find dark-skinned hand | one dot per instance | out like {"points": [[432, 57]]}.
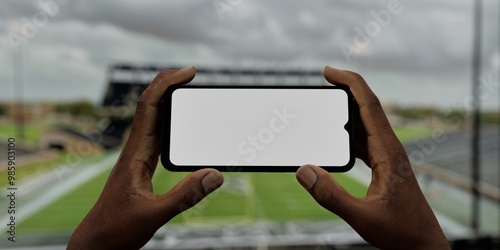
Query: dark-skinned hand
{"points": [[394, 214], [128, 213]]}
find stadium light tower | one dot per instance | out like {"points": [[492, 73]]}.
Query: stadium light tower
{"points": [[476, 71], [498, 55], [18, 91]]}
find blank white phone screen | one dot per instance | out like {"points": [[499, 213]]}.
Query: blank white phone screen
{"points": [[259, 127]]}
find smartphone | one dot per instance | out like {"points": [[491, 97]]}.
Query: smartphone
{"points": [[257, 128]]}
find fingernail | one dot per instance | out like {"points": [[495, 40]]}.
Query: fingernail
{"points": [[330, 68], [306, 176], [186, 68], [212, 181]]}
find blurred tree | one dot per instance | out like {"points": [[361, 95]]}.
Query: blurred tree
{"points": [[79, 108], [490, 117], [416, 113], [454, 116]]}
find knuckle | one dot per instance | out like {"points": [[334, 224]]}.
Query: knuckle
{"points": [[162, 74], [142, 98], [327, 198], [184, 198], [178, 200], [356, 76], [187, 194], [373, 101]]}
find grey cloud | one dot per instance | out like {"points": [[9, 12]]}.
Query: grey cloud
{"points": [[428, 37]]}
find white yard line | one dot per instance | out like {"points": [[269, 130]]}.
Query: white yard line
{"points": [[59, 189]]}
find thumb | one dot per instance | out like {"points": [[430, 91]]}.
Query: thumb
{"points": [[191, 190], [326, 190]]}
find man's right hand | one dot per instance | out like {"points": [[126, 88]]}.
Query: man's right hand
{"points": [[394, 214]]}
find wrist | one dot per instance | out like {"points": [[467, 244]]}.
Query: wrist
{"points": [[438, 242], [82, 238]]}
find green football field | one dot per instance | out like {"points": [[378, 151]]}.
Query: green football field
{"points": [[32, 131], [245, 197]]}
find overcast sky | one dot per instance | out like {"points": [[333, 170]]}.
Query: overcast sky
{"points": [[422, 55]]}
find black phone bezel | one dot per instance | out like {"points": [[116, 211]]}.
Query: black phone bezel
{"points": [[165, 129]]}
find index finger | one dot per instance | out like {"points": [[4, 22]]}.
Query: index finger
{"points": [[143, 144], [382, 145], [148, 105], [371, 112]]}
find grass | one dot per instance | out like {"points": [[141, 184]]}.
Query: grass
{"points": [[32, 131], [67, 212], [49, 165], [408, 134], [32, 169], [269, 196], [276, 197], [25, 171], [280, 197], [245, 197]]}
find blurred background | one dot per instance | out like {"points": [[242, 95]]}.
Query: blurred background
{"points": [[72, 71]]}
